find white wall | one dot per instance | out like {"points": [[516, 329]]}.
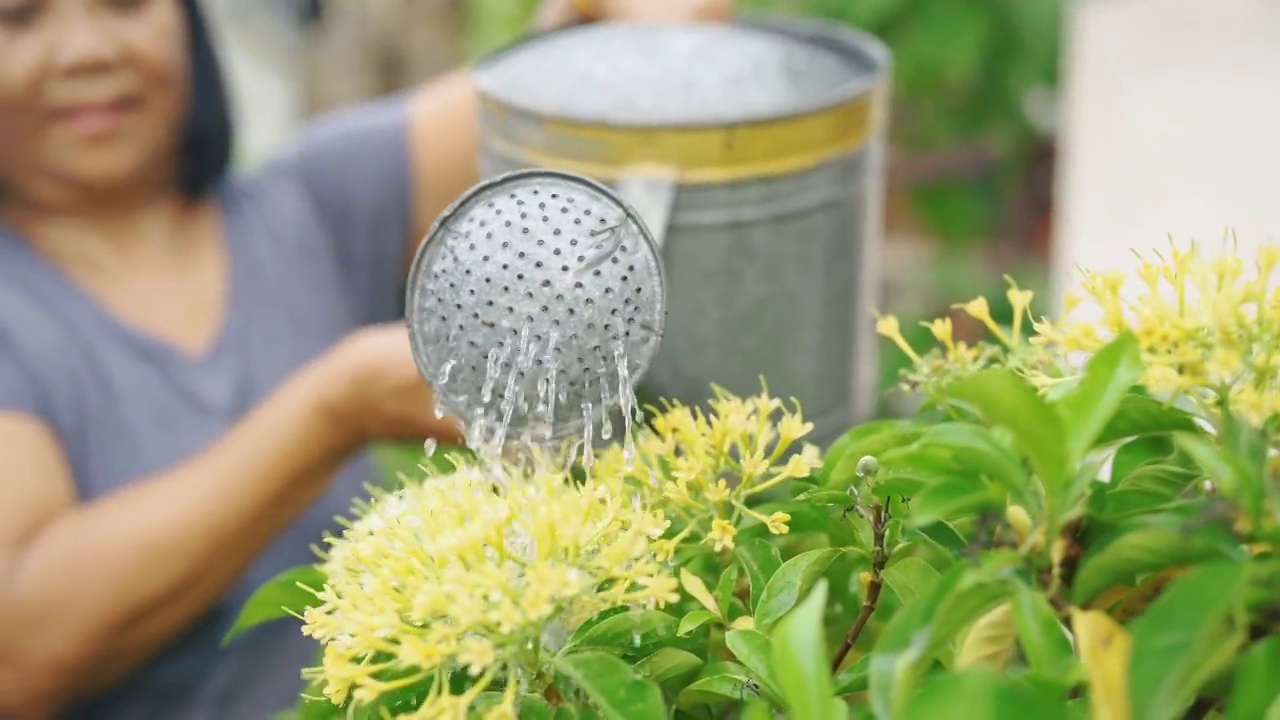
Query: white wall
{"points": [[1170, 126], [262, 57]]}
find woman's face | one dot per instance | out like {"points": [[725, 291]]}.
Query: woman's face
{"points": [[93, 93]]}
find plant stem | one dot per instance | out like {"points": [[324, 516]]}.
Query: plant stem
{"points": [[879, 558]]}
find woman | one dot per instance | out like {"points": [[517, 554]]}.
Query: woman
{"points": [[190, 363]]}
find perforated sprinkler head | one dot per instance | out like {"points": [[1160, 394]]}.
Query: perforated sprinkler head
{"points": [[534, 304]]}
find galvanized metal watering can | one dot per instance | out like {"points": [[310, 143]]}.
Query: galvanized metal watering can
{"points": [[754, 153]]}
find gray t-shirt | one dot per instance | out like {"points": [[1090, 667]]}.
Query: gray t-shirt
{"points": [[316, 242]]}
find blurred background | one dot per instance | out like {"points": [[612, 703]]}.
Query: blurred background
{"points": [[1028, 136]]}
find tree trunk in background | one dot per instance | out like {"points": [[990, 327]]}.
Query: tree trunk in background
{"points": [[361, 49]]}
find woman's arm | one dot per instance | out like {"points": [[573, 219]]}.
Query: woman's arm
{"points": [[90, 590]]}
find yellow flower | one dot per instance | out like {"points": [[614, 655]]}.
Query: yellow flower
{"points": [[777, 523], [1020, 300], [719, 492], [980, 310], [721, 535], [460, 574], [887, 325], [941, 328]]}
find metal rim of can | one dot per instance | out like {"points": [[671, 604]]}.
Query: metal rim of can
{"points": [[713, 151]]}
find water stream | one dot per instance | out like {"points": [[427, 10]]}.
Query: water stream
{"points": [[523, 384]]}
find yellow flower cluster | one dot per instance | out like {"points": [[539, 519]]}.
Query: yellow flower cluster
{"points": [[952, 359], [1208, 327], [460, 573], [701, 468]]}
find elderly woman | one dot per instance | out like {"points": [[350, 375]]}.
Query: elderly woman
{"points": [[190, 361]]}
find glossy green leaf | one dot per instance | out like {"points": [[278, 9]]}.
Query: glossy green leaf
{"points": [[716, 689], [1089, 407], [760, 559], [614, 689], [754, 650], [284, 595], [791, 582], [593, 621], [1009, 401], [694, 620], [982, 693], [1186, 636], [1256, 687], [1144, 545], [1044, 640], [667, 664], [634, 632], [800, 658]]}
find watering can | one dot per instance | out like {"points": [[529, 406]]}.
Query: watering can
{"points": [[754, 153]]}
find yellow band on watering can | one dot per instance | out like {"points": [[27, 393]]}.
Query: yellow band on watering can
{"points": [[710, 154]]}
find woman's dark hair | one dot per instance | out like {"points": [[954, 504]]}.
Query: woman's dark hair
{"points": [[207, 135]]}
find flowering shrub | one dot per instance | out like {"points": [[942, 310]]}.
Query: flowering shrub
{"points": [[1080, 521]]}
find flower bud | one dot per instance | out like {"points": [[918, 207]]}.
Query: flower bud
{"points": [[1019, 521], [867, 467]]}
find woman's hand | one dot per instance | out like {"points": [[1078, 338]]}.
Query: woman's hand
{"points": [[376, 393], [559, 13]]}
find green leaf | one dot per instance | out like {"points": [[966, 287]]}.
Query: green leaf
{"points": [[915, 634], [631, 631], [288, 593], [800, 658], [977, 452], [593, 621], [853, 678], [1186, 636], [697, 590], [825, 498], [911, 579], [753, 650], [790, 583], [872, 438], [982, 694], [1255, 688], [726, 588], [612, 686], [761, 560], [1009, 401], [693, 621], [715, 689], [1140, 416], [1044, 640], [954, 498], [667, 664], [1144, 545], [1088, 408], [1228, 471]]}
